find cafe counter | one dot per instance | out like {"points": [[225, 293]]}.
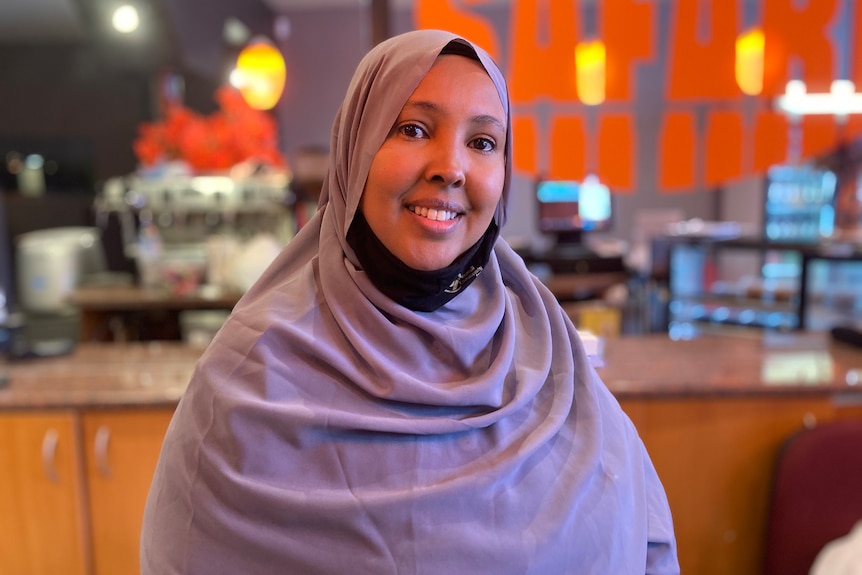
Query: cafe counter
{"points": [[713, 413], [652, 368], [141, 374]]}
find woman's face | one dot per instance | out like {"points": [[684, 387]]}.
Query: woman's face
{"points": [[435, 183]]}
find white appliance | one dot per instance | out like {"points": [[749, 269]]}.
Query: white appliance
{"points": [[50, 264]]}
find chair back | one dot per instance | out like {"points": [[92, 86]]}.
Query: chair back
{"points": [[816, 495]]}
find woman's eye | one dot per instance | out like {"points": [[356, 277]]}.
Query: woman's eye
{"points": [[412, 131], [484, 144]]}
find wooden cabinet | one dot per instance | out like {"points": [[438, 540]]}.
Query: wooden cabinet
{"points": [[43, 520], [715, 457], [73, 488], [122, 449]]}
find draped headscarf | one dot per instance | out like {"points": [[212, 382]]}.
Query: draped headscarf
{"points": [[328, 429]]}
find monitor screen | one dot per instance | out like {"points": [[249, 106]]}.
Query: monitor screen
{"points": [[570, 207]]}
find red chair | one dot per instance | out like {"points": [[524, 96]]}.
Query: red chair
{"points": [[816, 497]]}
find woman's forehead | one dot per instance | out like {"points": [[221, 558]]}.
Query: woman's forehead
{"points": [[456, 83]]}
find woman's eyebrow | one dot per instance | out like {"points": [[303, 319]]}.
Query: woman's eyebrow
{"points": [[426, 106], [489, 120], [421, 105]]}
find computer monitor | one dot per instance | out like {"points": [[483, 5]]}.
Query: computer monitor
{"points": [[567, 208]]}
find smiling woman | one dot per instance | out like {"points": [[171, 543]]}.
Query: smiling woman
{"points": [[397, 388]]}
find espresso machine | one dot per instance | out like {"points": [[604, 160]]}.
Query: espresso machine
{"points": [[187, 222]]}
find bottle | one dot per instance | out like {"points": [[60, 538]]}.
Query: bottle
{"points": [[149, 255], [5, 340]]}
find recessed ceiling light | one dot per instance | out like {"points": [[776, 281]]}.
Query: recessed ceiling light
{"points": [[126, 19]]}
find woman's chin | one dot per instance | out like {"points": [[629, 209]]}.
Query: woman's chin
{"points": [[427, 262]]}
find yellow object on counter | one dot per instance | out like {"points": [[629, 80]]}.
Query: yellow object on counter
{"points": [[601, 319]]}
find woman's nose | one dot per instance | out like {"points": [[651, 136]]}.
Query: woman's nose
{"points": [[446, 165]]}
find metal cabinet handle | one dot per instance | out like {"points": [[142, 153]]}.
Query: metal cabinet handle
{"points": [[49, 452], [100, 449]]}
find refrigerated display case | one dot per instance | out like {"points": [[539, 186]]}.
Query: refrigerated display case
{"points": [[719, 285], [799, 207], [831, 293], [799, 204]]}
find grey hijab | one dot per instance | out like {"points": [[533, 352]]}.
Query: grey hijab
{"points": [[328, 429], [383, 82]]}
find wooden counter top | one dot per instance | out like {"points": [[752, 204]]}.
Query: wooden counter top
{"points": [[566, 287], [653, 366], [125, 298], [115, 298], [131, 313]]}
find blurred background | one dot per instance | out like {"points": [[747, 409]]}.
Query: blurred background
{"points": [[125, 117]]}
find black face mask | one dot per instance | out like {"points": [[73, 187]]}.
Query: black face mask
{"points": [[418, 290]]}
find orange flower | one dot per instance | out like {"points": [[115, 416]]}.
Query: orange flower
{"points": [[234, 134], [149, 147]]}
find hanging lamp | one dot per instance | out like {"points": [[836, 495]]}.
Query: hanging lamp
{"points": [[260, 74], [590, 71], [749, 61]]}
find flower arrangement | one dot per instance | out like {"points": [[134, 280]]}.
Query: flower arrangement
{"points": [[234, 134]]}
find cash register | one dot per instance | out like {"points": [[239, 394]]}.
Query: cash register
{"points": [[567, 211]]}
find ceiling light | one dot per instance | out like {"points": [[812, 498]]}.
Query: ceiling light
{"points": [[125, 19], [235, 33], [841, 100]]}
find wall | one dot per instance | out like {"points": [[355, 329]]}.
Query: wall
{"points": [[68, 103], [338, 38], [321, 52], [83, 101]]}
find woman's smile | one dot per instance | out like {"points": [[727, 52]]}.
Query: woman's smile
{"points": [[438, 215]]}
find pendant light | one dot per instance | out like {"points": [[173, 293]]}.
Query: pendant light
{"points": [[260, 74], [590, 71], [749, 61]]}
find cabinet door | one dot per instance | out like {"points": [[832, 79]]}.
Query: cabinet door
{"points": [[42, 513], [122, 449], [715, 457]]}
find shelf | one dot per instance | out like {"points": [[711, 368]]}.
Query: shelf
{"points": [[768, 318], [691, 329], [732, 300], [814, 298], [128, 313]]}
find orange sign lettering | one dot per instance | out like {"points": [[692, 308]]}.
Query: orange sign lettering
{"points": [[550, 125]]}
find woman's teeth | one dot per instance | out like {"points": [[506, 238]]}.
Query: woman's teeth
{"points": [[432, 214]]}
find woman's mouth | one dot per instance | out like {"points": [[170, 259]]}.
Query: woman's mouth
{"points": [[434, 214]]}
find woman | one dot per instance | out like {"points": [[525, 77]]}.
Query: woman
{"points": [[397, 393]]}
